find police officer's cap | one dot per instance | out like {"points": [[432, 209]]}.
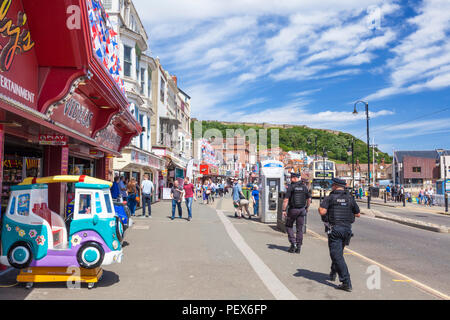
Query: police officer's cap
{"points": [[295, 175], [339, 182]]}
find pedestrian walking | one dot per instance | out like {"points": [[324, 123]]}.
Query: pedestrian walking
{"points": [[255, 199], [298, 198], [115, 189], [123, 189], [338, 212], [132, 194], [421, 196], [394, 193], [147, 190], [176, 194], [213, 187], [430, 197], [237, 196], [189, 195], [388, 192], [220, 187], [206, 192]]}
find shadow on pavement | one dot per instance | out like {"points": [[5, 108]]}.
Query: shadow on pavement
{"points": [[277, 247], [275, 228], [125, 244], [315, 276]]}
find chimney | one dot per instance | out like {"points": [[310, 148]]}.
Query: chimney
{"points": [[175, 80]]}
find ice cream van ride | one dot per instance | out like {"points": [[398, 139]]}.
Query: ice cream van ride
{"points": [[34, 236]]}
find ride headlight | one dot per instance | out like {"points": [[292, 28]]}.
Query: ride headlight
{"points": [[115, 244]]}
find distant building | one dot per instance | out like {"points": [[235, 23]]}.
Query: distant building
{"points": [[381, 171], [417, 168]]}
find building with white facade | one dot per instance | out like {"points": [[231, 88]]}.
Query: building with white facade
{"points": [[138, 68], [170, 124]]}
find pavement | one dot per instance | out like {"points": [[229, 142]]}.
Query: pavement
{"points": [[216, 256], [408, 206], [416, 253], [413, 215]]}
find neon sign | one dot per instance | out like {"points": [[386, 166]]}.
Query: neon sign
{"points": [[19, 38]]}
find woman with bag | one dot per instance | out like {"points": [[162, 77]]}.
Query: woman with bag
{"points": [[132, 194]]}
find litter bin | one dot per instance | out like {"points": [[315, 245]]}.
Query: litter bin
{"points": [[246, 191], [281, 221]]}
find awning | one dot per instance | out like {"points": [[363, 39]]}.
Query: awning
{"points": [[57, 79]]}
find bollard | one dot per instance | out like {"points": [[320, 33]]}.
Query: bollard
{"points": [[385, 196], [446, 202], [404, 200]]}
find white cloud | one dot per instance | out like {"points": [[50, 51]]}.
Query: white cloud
{"points": [[422, 59], [295, 112]]}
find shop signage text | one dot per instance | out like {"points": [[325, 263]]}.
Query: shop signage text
{"points": [[16, 89], [53, 139], [75, 111], [19, 37], [78, 113], [144, 159], [109, 138]]}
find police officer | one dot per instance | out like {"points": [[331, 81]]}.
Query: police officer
{"points": [[299, 199], [338, 212]]}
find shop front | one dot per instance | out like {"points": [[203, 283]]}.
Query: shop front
{"points": [[136, 163], [62, 110], [208, 171]]}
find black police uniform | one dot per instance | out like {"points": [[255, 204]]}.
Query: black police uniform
{"points": [[341, 209], [298, 195]]}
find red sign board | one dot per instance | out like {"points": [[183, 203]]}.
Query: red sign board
{"points": [[53, 139], [109, 138], [18, 63], [78, 113], [204, 169]]}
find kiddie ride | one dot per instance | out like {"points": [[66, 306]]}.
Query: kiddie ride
{"points": [[48, 248]]}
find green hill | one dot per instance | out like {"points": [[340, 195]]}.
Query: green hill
{"points": [[296, 138]]}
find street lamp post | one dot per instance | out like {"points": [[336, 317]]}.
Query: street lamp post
{"points": [[352, 150], [368, 146], [324, 174], [441, 153]]}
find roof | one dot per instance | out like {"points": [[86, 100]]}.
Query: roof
{"points": [[399, 155], [65, 179], [81, 185]]}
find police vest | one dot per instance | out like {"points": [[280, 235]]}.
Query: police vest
{"points": [[340, 210], [298, 196]]}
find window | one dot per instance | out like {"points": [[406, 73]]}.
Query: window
{"points": [[148, 133], [84, 204], [13, 206], [417, 169], [23, 205], [142, 80], [107, 4], [108, 202], [127, 61], [162, 90], [149, 82], [136, 112], [141, 137], [137, 68]]}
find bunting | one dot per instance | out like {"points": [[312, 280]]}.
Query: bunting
{"points": [[105, 42]]}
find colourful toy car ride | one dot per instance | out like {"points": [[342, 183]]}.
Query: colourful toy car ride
{"points": [[35, 236]]}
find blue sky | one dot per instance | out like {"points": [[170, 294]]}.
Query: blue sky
{"points": [[306, 62]]}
